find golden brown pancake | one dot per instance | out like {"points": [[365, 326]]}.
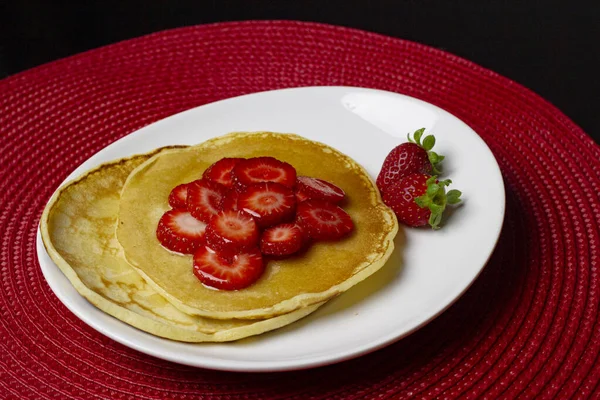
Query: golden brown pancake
{"points": [[324, 271], [78, 230]]}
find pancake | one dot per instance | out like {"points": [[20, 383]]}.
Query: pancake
{"points": [[78, 231], [324, 271]]}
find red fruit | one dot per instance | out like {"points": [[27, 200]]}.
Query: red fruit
{"points": [[179, 231], [228, 273], [403, 160], [282, 240], [306, 240], [204, 199], [263, 169], [419, 199], [409, 158], [220, 172], [178, 196], [300, 196], [269, 203], [230, 200], [323, 221], [232, 231], [318, 189]]}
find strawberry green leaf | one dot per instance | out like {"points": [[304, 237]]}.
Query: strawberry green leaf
{"points": [[453, 196], [436, 199], [417, 135], [434, 220], [423, 201], [432, 190], [445, 182], [428, 142], [437, 208]]}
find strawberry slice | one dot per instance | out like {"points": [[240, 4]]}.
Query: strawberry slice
{"points": [[268, 202], [220, 172], [204, 199], [178, 196], [300, 196], [230, 200], [263, 169], [228, 273], [318, 189], [322, 220], [232, 231], [282, 240], [306, 240], [179, 231]]}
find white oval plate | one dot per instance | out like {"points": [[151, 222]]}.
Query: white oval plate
{"points": [[415, 286]]}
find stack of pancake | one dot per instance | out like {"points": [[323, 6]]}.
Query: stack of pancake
{"points": [[100, 230]]}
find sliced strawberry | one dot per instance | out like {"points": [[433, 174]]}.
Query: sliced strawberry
{"points": [[268, 202], [318, 189], [179, 231], [282, 240], [300, 196], [232, 231], [306, 240], [230, 200], [178, 196], [263, 169], [204, 199], [220, 172], [228, 273], [323, 221]]}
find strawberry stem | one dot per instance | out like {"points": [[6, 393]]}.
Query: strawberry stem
{"points": [[427, 145], [436, 199]]}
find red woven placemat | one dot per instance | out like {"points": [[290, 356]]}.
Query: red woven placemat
{"points": [[528, 326]]}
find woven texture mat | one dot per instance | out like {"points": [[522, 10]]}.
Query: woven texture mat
{"points": [[528, 326]]}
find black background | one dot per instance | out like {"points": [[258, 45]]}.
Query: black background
{"points": [[552, 47]]}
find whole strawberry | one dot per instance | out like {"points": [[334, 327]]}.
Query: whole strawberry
{"points": [[409, 158], [420, 199]]}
